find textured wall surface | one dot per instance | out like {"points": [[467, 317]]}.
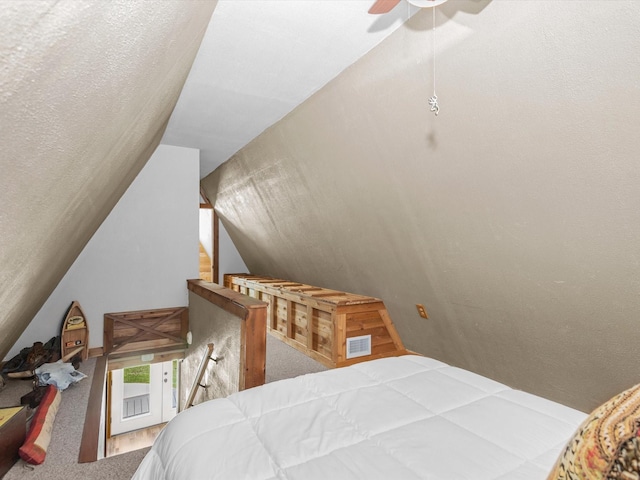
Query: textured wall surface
{"points": [[211, 324], [514, 216], [139, 257], [86, 90]]}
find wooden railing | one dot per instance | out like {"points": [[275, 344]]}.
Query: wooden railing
{"points": [[252, 315], [333, 327], [91, 432], [163, 329]]}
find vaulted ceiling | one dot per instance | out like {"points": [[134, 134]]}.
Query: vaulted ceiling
{"points": [[261, 58], [86, 91], [513, 216]]}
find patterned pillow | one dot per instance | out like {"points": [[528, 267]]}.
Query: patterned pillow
{"points": [[606, 445]]}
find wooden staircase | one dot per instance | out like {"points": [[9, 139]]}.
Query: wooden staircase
{"points": [[205, 265]]}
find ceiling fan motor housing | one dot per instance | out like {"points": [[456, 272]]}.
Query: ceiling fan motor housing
{"points": [[426, 3]]}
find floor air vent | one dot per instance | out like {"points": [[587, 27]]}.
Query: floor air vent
{"points": [[358, 346]]}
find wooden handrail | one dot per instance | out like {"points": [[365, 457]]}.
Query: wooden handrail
{"points": [[253, 314], [91, 432], [198, 378]]}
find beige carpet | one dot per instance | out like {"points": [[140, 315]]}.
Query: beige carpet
{"points": [[62, 455], [283, 361]]}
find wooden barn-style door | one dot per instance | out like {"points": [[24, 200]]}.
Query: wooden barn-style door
{"points": [[127, 333]]}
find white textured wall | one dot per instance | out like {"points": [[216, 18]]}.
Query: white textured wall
{"points": [[86, 91], [514, 216], [209, 323], [206, 237], [140, 257], [230, 259]]}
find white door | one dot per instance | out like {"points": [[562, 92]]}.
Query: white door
{"points": [[169, 390], [143, 396]]}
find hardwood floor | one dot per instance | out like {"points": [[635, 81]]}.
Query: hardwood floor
{"points": [[130, 441]]}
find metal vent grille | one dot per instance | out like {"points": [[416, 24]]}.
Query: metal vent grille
{"points": [[358, 346]]}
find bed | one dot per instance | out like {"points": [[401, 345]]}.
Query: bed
{"points": [[407, 417]]}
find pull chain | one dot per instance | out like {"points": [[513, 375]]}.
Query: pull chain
{"points": [[433, 101]]}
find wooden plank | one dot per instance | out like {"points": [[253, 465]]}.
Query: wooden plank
{"points": [[352, 361], [148, 346], [327, 294], [132, 361], [364, 325], [124, 332], [392, 329], [215, 267], [363, 315], [309, 327], [13, 432], [184, 323], [144, 329], [71, 353], [152, 313], [360, 307], [107, 339], [91, 431], [317, 320], [155, 351], [290, 331], [96, 352], [255, 351], [229, 300], [339, 338], [374, 332], [278, 286], [273, 317]]}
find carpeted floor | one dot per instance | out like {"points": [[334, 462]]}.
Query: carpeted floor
{"points": [[283, 361], [62, 455]]}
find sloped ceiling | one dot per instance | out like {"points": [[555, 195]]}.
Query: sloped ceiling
{"points": [[86, 91], [260, 59], [87, 88], [513, 216]]}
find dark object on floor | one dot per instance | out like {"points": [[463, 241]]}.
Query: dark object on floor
{"points": [[37, 355], [16, 363], [34, 397], [76, 360], [12, 434], [32, 357]]}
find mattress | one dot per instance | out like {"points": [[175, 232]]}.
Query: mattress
{"points": [[407, 417]]}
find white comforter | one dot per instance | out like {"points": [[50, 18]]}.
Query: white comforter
{"points": [[409, 417]]}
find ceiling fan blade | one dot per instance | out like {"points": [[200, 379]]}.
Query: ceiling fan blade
{"points": [[383, 6]]}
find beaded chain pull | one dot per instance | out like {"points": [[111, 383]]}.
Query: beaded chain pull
{"points": [[433, 101]]}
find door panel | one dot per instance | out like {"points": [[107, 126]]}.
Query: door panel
{"points": [[169, 390], [136, 398]]}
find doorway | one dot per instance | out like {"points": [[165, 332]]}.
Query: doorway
{"points": [[209, 240], [142, 396]]}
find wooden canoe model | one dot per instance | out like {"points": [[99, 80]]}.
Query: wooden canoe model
{"points": [[75, 332]]}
